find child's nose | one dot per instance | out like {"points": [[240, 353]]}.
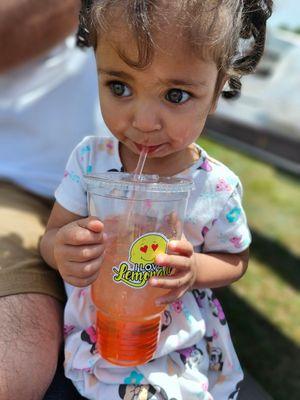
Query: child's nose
{"points": [[146, 118]]}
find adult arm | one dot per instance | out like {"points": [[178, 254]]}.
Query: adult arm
{"points": [[30, 27]]}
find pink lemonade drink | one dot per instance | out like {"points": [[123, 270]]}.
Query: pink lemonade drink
{"points": [[139, 219]]}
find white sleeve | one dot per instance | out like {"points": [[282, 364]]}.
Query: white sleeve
{"points": [[71, 193], [229, 231]]}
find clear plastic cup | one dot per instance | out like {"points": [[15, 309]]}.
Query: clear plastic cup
{"points": [[139, 217]]}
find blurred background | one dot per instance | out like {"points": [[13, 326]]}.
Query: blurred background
{"points": [[258, 136]]}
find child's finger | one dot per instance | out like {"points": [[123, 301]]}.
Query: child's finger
{"points": [[95, 224], [77, 235], [179, 262], [182, 247], [91, 223], [171, 282], [83, 253], [83, 270], [81, 282]]}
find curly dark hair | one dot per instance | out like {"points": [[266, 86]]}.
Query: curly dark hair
{"points": [[230, 32]]}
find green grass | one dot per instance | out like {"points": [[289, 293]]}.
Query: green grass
{"points": [[263, 308], [271, 199]]}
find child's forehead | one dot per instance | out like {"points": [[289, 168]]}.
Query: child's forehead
{"points": [[166, 33], [172, 44], [123, 41], [174, 68], [168, 53]]}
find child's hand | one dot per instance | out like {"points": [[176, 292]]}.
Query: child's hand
{"points": [[181, 258], [78, 251]]}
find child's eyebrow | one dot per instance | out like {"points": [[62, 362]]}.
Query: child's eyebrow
{"points": [[183, 82], [167, 82], [119, 74]]}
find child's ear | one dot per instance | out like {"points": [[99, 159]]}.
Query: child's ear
{"points": [[221, 80]]}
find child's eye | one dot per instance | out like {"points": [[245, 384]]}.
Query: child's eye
{"points": [[119, 89], [177, 96]]}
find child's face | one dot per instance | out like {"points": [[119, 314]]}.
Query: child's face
{"points": [[163, 106]]}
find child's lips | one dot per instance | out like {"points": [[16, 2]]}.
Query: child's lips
{"points": [[150, 149]]}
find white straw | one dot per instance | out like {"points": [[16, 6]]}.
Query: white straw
{"points": [[140, 165]]}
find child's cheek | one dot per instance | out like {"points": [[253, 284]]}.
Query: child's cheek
{"points": [[115, 125]]}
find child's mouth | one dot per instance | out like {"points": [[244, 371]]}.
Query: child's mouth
{"points": [[150, 149]]}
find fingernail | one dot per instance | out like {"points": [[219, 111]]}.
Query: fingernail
{"points": [[154, 281], [159, 258]]}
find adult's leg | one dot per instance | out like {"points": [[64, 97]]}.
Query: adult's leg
{"points": [[30, 337], [30, 310]]}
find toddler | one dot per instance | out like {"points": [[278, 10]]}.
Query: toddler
{"points": [[162, 66]]}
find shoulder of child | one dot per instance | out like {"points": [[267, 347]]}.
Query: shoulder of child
{"points": [[103, 144], [213, 177], [90, 146], [93, 154]]}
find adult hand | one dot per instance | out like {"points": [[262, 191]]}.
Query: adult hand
{"points": [[29, 28]]}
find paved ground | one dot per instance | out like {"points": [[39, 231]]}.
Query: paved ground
{"points": [[272, 146]]}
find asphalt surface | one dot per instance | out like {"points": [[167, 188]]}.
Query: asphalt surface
{"points": [[269, 145]]}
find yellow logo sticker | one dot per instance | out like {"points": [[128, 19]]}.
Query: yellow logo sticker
{"points": [[141, 266]]}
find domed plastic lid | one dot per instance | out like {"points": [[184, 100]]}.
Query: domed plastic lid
{"points": [[145, 183]]}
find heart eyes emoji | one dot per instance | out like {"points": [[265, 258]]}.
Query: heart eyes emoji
{"points": [[144, 248]]}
